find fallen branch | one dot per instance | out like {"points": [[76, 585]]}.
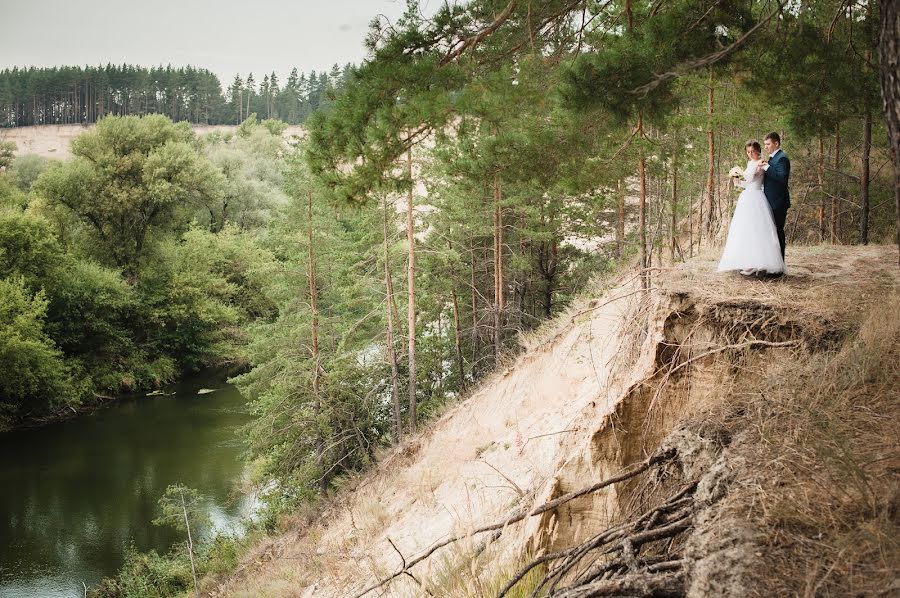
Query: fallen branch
{"points": [[674, 525], [630, 472], [642, 584], [403, 561], [575, 554]]}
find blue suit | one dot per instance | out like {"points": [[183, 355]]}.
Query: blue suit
{"points": [[775, 186]]}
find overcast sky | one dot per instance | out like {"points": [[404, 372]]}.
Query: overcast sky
{"points": [[224, 36]]}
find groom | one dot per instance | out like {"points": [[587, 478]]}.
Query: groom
{"points": [[775, 183]]}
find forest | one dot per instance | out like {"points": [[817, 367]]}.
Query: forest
{"points": [[465, 183], [83, 95]]}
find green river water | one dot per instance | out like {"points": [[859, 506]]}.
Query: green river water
{"points": [[75, 494]]}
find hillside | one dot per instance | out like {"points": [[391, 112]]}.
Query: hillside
{"points": [[756, 422], [52, 141]]}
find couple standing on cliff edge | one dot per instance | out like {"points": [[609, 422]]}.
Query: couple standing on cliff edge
{"points": [[755, 243]]}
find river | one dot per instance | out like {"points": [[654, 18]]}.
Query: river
{"points": [[75, 494]]}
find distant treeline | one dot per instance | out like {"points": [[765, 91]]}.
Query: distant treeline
{"points": [[73, 95]]}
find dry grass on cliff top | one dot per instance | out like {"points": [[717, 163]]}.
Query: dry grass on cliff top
{"points": [[824, 448]]}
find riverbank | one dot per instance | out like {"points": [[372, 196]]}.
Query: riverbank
{"points": [[105, 401], [78, 494]]}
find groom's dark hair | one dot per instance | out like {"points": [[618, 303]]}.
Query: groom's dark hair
{"points": [[774, 137]]}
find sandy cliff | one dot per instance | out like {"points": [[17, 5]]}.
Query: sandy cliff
{"points": [[52, 141], [673, 375]]}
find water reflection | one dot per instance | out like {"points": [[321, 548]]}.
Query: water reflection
{"points": [[74, 495]]}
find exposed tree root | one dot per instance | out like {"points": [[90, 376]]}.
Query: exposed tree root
{"points": [[662, 585], [611, 561], [658, 458]]}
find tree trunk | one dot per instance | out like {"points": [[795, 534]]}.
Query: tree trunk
{"points": [[411, 306], [821, 178], [889, 59], [392, 354], [710, 174], [834, 204], [498, 270], [864, 176], [475, 346], [674, 208], [548, 260], [642, 176], [551, 280], [642, 194], [314, 310], [187, 526], [457, 339], [620, 227], [690, 226]]}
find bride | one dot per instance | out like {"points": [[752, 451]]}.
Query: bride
{"points": [[752, 245]]}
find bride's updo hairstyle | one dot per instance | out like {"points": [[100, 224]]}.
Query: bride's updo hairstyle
{"points": [[755, 145]]}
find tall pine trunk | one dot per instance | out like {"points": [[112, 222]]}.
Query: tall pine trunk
{"points": [[498, 270], [392, 353], [620, 224], [864, 176], [317, 365], [834, 204], [411, 284], [867, 140], [472, 283], [674, 224], [457, 331], [889, 59], [821, 179], [711, 174], [642, 195]]}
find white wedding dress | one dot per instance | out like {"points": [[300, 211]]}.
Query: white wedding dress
{"points": [[752, 242]]}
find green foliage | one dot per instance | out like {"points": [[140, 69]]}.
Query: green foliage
{"points": [[836, 85], [148, 575], [251, 163], [654, 42], [199, 292], [179, 502], [130, 293], [27, 169], [37, 379], [383, 101], [28, 248], [92, 316], [11, 197], [185, 309], [153, 575], [7, 154], [131, 180]]}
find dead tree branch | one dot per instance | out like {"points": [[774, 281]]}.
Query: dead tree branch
{"points": [[709, 59], [630, 472]]}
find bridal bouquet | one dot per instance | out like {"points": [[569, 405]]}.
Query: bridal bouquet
{"points": [[736, 172]]}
